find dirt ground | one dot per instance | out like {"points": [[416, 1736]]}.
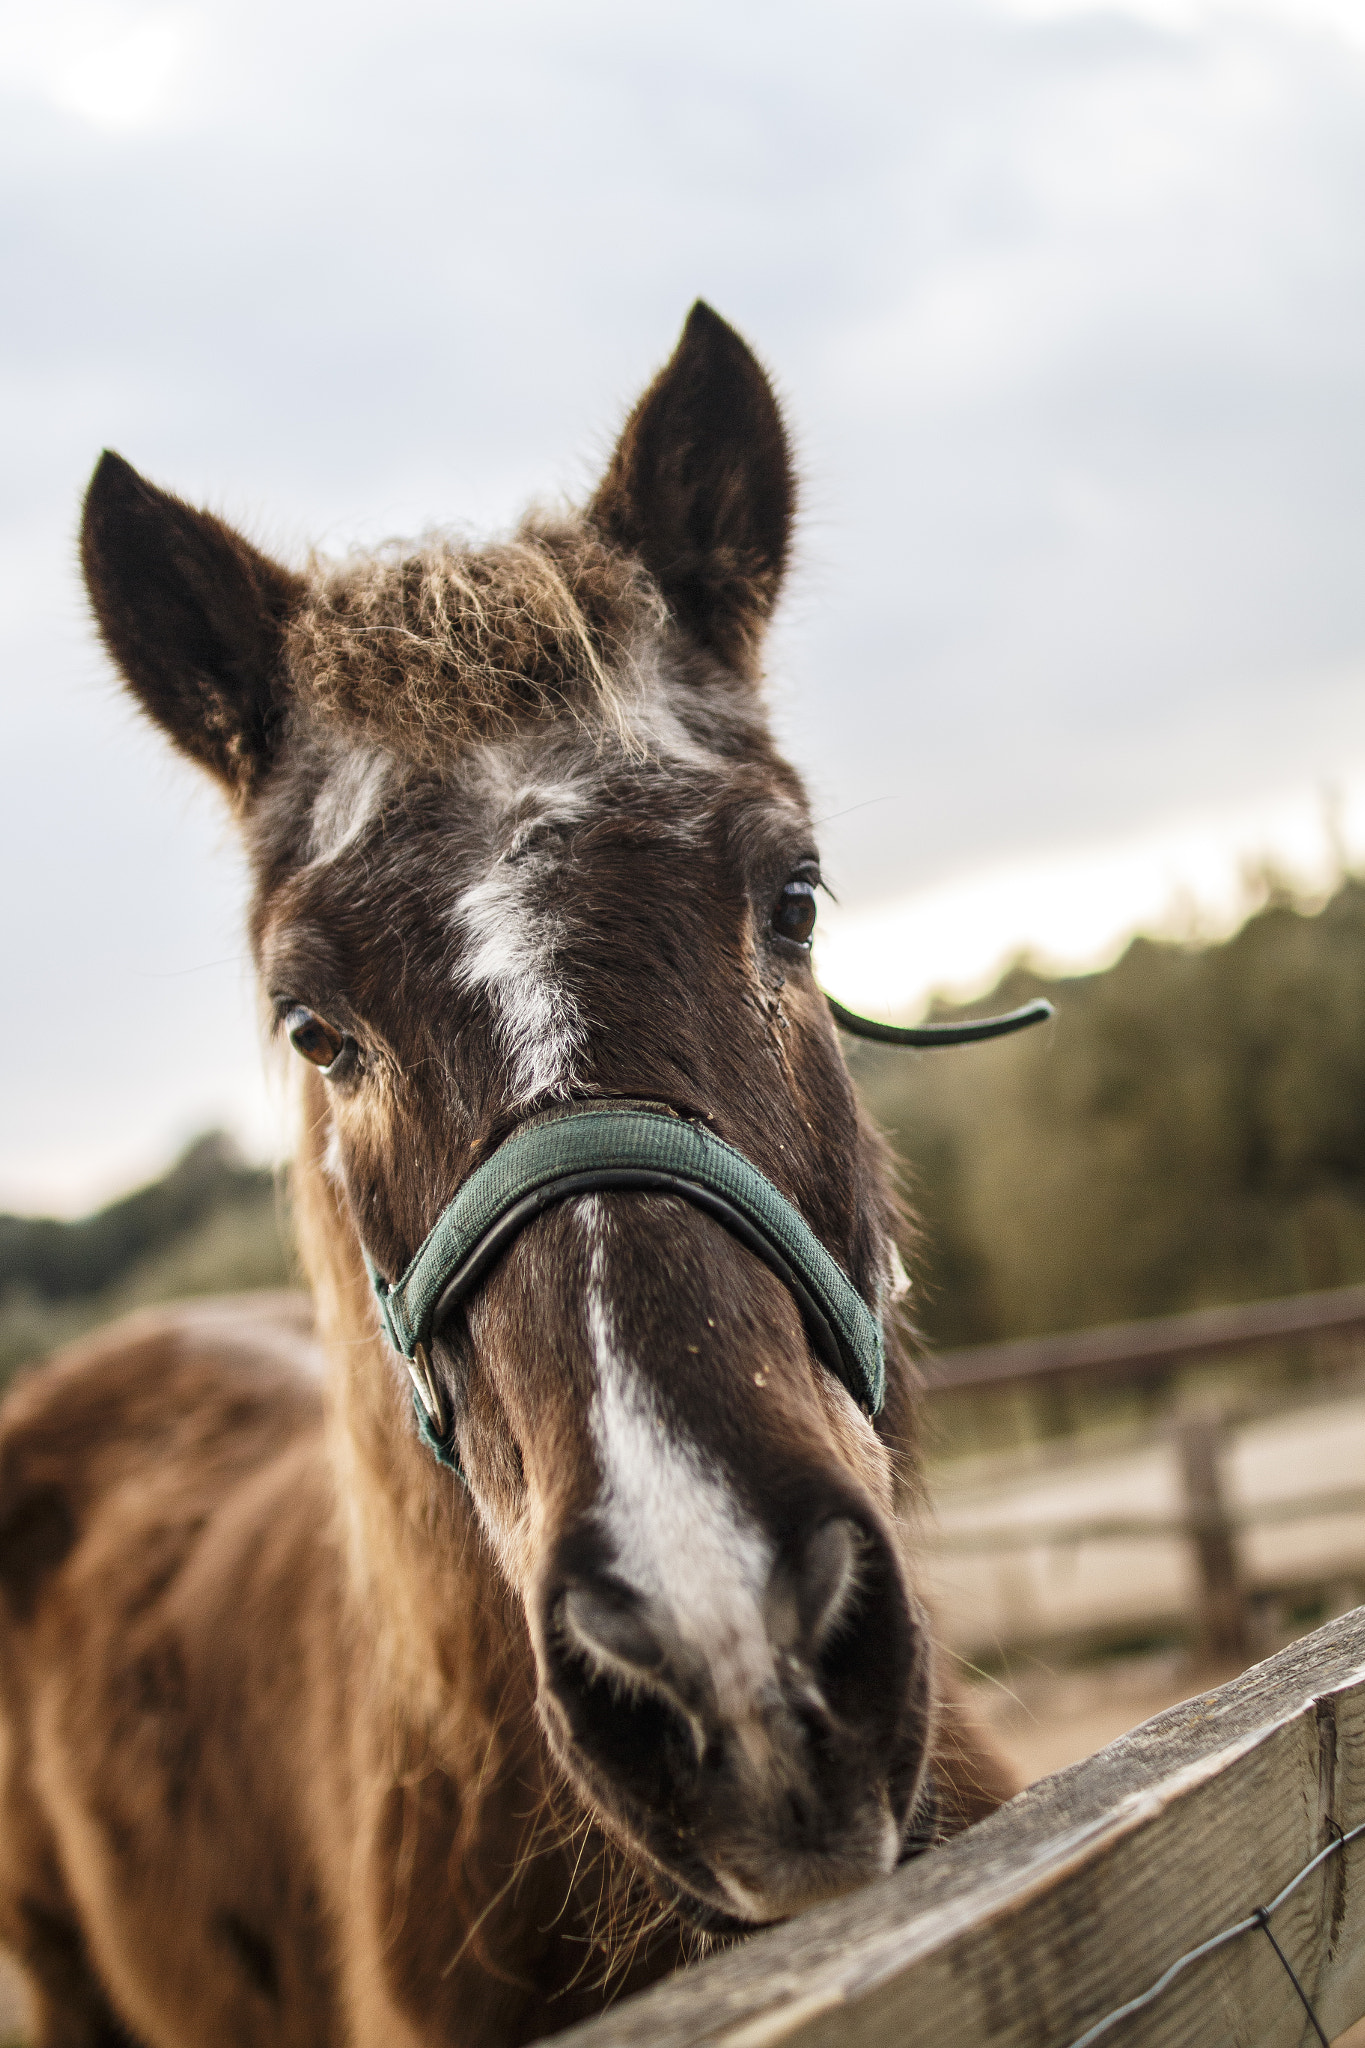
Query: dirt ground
{"points": [[1044, 1718]]}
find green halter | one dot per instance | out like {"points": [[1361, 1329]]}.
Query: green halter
{"points": [[591, 1147], [616, 1145]]}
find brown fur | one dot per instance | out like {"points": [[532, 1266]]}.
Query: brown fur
{"points": [[301, 1740], [429, 651]]}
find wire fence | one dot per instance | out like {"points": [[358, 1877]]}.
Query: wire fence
{"points": [[1259, 1917]]}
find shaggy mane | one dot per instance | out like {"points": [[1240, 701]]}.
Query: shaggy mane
{"points": [[430, 647]]}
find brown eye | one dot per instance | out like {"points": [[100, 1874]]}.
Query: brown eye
{"points": [[793, 915], [321, 1043]]}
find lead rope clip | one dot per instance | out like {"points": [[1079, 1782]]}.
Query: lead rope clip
{"points": [[425, 1388]]}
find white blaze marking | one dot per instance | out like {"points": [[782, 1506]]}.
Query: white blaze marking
{"points": [[511, 946], [511, 953], [679, 1537]]}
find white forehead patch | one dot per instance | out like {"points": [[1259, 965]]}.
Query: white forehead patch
{"points": [[348, 800], [510, 948], [678, 1536]]}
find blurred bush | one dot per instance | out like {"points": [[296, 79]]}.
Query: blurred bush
{"points": [[211, 1225], [1189, 1130]]}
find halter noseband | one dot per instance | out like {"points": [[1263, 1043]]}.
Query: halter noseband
{"points": [[591, 1147]]}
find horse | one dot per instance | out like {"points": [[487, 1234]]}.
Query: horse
{"points": [[358, 1689]]}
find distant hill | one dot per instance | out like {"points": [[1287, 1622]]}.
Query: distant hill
{"points": [[1189, 1130], [211, 1225]]}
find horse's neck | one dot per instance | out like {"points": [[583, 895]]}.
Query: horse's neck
{"points": [[427, 1594]]}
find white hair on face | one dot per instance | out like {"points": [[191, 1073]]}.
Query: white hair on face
{"points": [[511, 954], [679, 1537], [898, 1282], [657, 731], [331, 1157], [510, 948], [348, 800]]}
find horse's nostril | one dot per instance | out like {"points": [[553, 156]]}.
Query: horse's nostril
{"points": [[807, 1602], [610, 1684], [846, 1641], [606, 1624], [829, 1579]]}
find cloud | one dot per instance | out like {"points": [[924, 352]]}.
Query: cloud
{"points": [[1074, 907], [1337, 18], [1067, 303], [116, 67]]}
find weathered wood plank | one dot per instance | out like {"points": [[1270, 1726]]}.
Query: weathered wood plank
{"points": [[1079, 1893]]}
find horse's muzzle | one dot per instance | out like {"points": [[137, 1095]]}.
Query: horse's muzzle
{"points": [[758, 1776]]}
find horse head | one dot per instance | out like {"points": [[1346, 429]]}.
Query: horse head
{"points": [[520, 838]]}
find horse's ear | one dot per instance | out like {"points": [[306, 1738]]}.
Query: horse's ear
{"points": [[193, 616], [701, 488]]}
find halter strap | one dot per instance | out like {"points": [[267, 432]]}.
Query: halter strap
{"points": [[617, 1145]]}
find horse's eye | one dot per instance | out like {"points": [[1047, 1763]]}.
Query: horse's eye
{"points": [[321, 1043], [793, 915]]}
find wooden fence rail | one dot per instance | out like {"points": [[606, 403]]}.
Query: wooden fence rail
{"points": [[1152, 1349], [1077, 1896], [1129, 1350], [1127, 1528]]}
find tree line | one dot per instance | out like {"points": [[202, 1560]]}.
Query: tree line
{"points": [[1190, 1129]]}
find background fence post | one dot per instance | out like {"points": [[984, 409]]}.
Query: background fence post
{"points": [[1224, 1631]]}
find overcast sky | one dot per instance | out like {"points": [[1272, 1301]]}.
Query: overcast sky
{"points": [[1066, 303]]}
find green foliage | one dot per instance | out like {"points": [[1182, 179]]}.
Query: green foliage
{"points": [[64, 1261], [1190, 1130], [211, 1225]]}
